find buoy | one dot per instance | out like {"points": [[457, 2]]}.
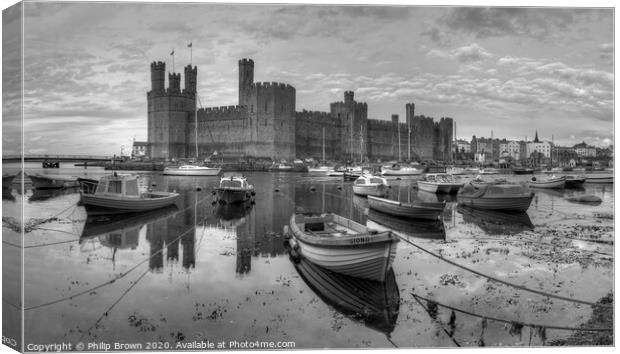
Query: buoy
{"points": [[277, 189], [153, 184], [198, 188], [213, 192], [312, 188], [339, 187]]}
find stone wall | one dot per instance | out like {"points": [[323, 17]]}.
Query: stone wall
{"points": [[309, 129]]}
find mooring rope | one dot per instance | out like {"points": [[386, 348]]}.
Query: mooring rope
{"points": [[539, 292], [585, 329]]}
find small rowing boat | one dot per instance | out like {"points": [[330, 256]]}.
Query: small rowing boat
{"points": [[414, 210], [192, 170], [397, 170], [548, 182], [439, 183], [370, 185], [510, 197], [342, 245]]}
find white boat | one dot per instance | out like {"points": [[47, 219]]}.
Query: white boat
{"points": [[397, 170], [342, 245], [322, 170], [555, 170], [488, 171], [234, 189], [439, 183], [548, 182], [41, 181], [370, 185], [600, 178], [192, 170], [281, 167], [121, 194], [453, 170]]}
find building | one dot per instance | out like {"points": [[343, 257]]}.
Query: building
{"points": [[139, 149], [265, 125], [584, 150]]}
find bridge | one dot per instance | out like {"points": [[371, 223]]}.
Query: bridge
{"points": [[40, 158]]}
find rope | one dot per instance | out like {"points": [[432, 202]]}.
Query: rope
{"points": [[503, 281], [440, 323], [530, 241], [585, 329]]}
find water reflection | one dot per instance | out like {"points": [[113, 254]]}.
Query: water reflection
{"points": [[373, 303], [496, 222], [427, 229], [233, 218]]}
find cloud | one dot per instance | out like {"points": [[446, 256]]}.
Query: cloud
{"points": [[466, 54]]}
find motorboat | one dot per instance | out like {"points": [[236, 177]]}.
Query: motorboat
{"points": [[488, 171], [281, 167], [439, 183], [398, 170], [342, 245], [523, 171], [88, 185], [191, 170], [319, 169], [234, 189], [413, 210], [43, 181], [548, 182], [120, 193], [370, 185], [511, 197]]}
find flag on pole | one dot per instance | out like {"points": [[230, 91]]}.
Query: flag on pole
{"points": [[189, 45], [172, 53]]}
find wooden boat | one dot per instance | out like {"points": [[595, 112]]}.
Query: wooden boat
{"points": [[370, 185], [343, 245], [120, 194], [234, 189], [439, 183], [574, 181], [41, 181], [397, 170], [495, 222], [549, 182], [373, 303], [600, 178], [523, 171], [191, 170], [418, 228], [414, 210], [511, 197]]}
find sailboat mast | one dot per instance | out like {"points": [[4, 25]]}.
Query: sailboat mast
{"points": [[196, 125], [398, 131], [323, 144], [361, 145], [351, 140]]}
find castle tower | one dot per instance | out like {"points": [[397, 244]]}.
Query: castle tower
{"points": [[348, 97], [246, 79], [191, 75], [158, 75], [174, 82], [352, 117]]}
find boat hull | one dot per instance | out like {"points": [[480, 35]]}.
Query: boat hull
{"points": [[373, 190], [438, 187], [401, 172], [171, 171], [575, 182], [51, 181], [556, 183], [113, 205], [427, 211], [602, 178], [233, 195], [517, 204]]}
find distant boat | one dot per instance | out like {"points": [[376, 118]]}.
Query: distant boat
{"points": [[192, 170], [453, 170], [414, 210], [120, 194], [511, 197], [548, 182], [50, 164], [488, 171], [523, 171], [397, 170], [574, 181], [555, 170], [370, 185], [439, 183], [600, 178], [41, 181], [234, 189], [319, 170], [281, 167], [419, 228], [373, 303], [342, 245]]}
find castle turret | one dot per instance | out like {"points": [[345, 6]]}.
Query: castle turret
{"points": [[348, 97], [191, 79], [174, 82], [246, 79], [158, 75]]}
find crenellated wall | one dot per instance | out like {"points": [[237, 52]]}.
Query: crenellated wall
{"points": [[352, 117]]}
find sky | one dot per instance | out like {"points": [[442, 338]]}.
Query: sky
{"points": [[506, 72]]}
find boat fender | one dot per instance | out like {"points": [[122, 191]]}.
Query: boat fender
{"points": [[153, 184], [199, 188], [293, 243], [534, 179], [277, 189], [312, 188], [285, 232], [213, 193], [339, 188]]}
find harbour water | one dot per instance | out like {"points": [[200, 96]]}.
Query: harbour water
{"points": [[201, 272]]}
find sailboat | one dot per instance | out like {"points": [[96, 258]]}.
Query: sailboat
{"points": [[192, 170], [322, 169]]}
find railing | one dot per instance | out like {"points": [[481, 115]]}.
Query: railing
{"points": [[58, 157]]}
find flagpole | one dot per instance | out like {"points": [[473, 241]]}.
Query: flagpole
{"points": [[191, 48], [172, 54]]}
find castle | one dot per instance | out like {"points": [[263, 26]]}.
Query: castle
{"points": [[266, 125]]}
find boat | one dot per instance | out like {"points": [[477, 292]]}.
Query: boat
{"points": [[119, 193], [192, 170], [319, 170], [350, 175], [88, 185], [282, 166], [478, 182], [414, 210], [418, 228], [439, 183], [453, 170], [370, 185], [234, 189], [552, 171], [523, 171], [488, 171], [496, 222], [342, 245], [574, 181], [548, 182], [512, 197], [372, 303], [397, 170], [41, 181], [50, 164], [600, 178]]}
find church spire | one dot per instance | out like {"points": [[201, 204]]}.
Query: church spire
{"points": [[536, 137]]}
